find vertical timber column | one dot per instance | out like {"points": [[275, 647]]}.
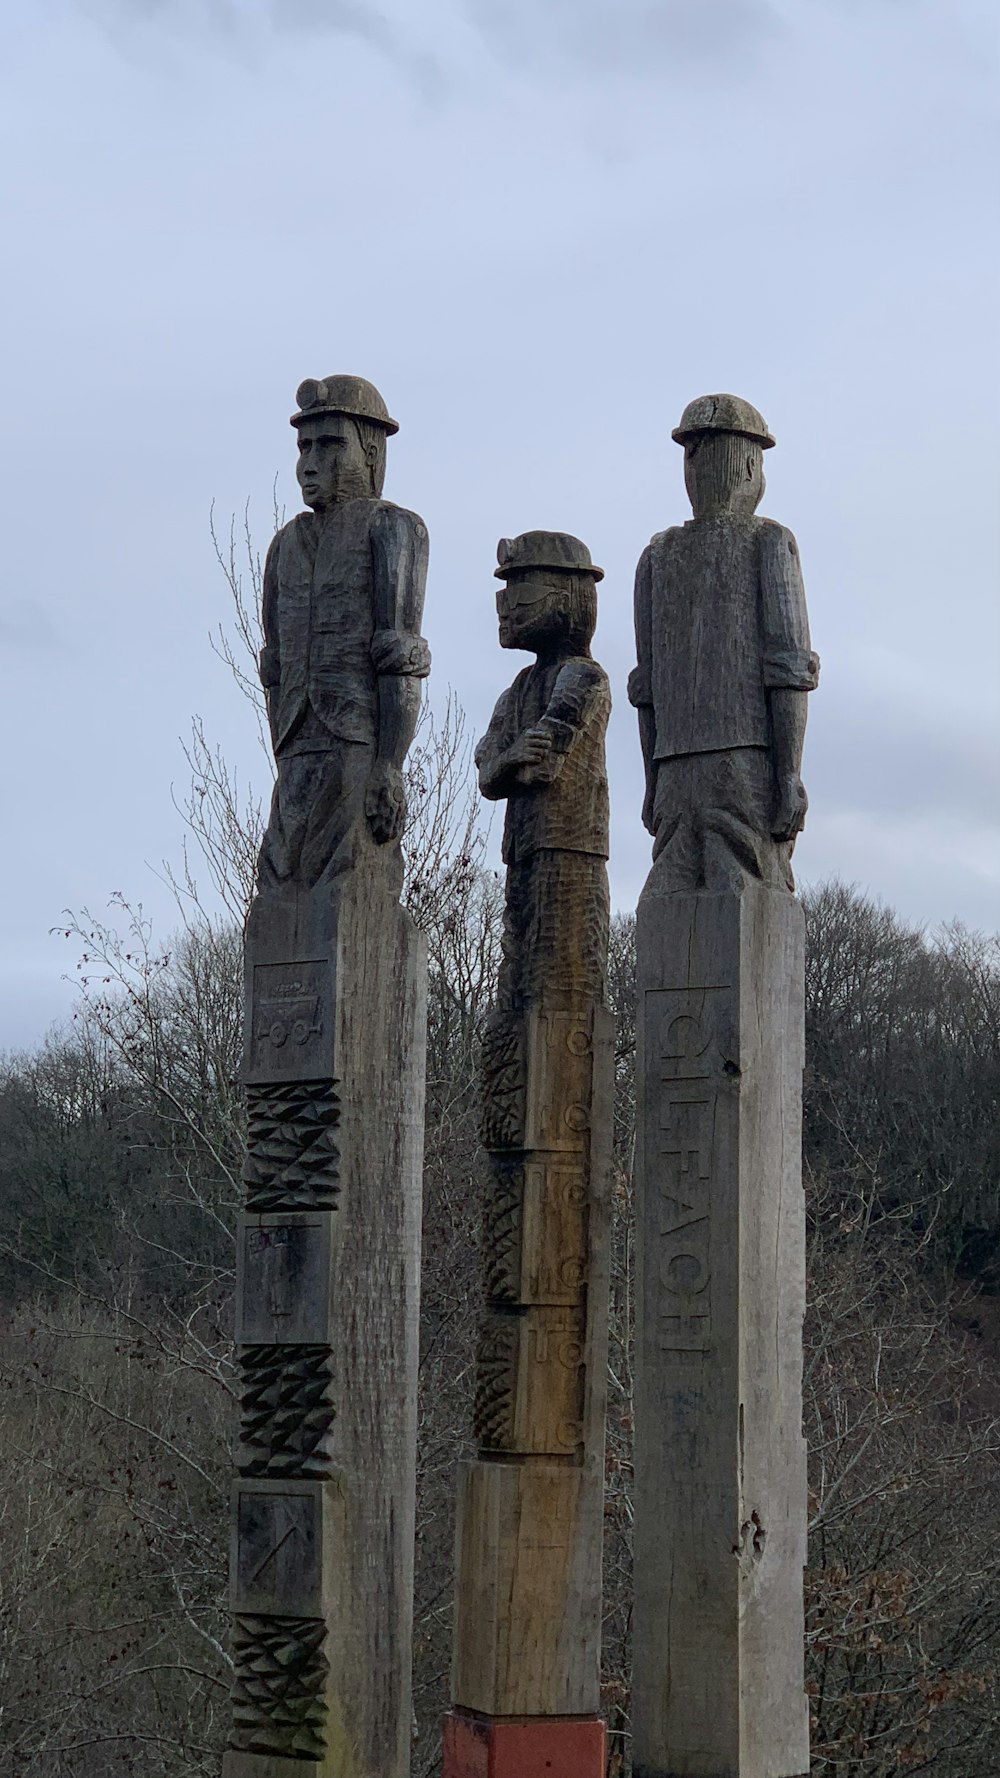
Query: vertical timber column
{"points": [[327, 1313], [720, 1476], [328, 1258], [720, 1457], [526, 1669]]}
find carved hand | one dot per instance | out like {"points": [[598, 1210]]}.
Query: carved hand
{"points": [[393, 652], [385, 803], [529, 749], [790, 812], [533, 753]]}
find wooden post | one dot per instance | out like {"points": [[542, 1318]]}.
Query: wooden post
{"points": [[719, 1453], [526, 1669], [329, 1243], [327, 1313], [724, 666]]}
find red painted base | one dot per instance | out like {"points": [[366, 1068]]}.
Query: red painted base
{"points": [[524, 1747]]}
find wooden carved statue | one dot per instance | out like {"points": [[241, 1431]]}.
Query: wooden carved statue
{"points": [[724, 667], [334, 1063], [343, 655], [530, 1508], [724, 670], [544, 753]]}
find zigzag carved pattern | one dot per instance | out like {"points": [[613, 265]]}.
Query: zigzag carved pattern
{"points": [[292, 1160], [279, 1695], [503, 1076], [502, 1230], [288, 1412], [496, 1360]]}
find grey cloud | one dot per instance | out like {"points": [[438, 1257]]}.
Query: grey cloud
{"points": [[357, 18], [624, 36], [899, 761], [25, 625], [232, 21]]}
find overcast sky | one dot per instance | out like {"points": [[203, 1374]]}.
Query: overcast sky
{"points": [[541, 227]]}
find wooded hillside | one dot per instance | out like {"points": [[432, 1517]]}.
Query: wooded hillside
{"points": [[120, 1152]]}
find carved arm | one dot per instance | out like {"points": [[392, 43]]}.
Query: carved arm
{"points": [[640, 680], [791, 671], [400, 657], [270, 663], [578, 687], [497, 771]]}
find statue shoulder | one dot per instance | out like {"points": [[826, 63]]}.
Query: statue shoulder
{"points": [[661, 540], [773, 535], [399, 520], [588, 672], [296, 530]]}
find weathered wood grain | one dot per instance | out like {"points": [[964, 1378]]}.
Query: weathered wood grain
{"points": [[528, 1581], [724, 668], [528, 1576], [328, 1249], [720, 1504], [345, 1282]]}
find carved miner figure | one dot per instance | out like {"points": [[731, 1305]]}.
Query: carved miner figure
{"points": [[528, 1576], [343, 654], [724, 667], [544, 752], [720, 1496], [328, 1243]]}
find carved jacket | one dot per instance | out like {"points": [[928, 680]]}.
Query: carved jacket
{"points": [[720, 620], [572, 701], [343, 596]]}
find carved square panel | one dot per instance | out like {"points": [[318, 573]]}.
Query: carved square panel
{"points": [[530, 1382], [290, 1022], [283, 1278], [535, 1235], [284, 1537], [560, 1079]]}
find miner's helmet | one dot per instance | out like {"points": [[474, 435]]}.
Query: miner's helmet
{"points": [[722, 413], [342, 395], [544, 549]]}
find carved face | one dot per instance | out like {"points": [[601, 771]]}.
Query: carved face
{"points": [[334, 463], [723, 473], [533, 608]]}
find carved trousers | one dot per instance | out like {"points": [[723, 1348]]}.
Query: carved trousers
{"points": [[318, 800], [712, 822], [555, 929]]}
